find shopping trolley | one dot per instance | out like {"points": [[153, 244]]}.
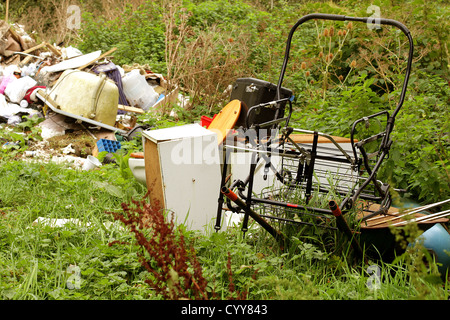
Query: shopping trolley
{"points": [[279, 175]]}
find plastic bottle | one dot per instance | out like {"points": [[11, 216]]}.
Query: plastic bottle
{"points": [[138, 92]]}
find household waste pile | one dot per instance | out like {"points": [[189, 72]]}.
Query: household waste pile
{"points": [[29, 73]]}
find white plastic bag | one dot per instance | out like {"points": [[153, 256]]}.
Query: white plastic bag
{"points": [[17, 89], [6, 80], [10, 110]]}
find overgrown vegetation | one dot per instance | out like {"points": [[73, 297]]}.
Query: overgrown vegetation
{"points": [[204, 46], [93, 257], [338, 73]]}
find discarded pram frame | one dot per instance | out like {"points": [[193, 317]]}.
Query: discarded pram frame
{"points": [[301, 166]]}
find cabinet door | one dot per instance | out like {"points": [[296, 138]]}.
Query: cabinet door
{"points": [[191, 179]]}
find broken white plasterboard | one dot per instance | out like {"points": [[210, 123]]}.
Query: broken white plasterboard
{"points": [[60, 223], [55, 124], [73, 63]]}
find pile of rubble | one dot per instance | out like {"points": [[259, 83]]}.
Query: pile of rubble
{"points": [[74, 92]]}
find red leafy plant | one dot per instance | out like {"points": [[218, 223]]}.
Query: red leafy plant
{"points": [[175, 270]]}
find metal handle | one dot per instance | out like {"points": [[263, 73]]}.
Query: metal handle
{"points": [[336, 17]]}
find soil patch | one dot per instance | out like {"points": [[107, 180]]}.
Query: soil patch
{"points": [[82, 142]]}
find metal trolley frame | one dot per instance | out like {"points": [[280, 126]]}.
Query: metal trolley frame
{"points": [[303, 169]]}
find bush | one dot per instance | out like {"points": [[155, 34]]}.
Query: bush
{"points": [[137, 34], [420, 159], [219, 12]]}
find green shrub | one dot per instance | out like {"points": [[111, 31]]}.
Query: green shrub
{"points": [[420, 159], [219, 12], [137, 34]]}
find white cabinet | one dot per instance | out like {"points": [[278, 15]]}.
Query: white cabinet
{"points": [[182, 167]]}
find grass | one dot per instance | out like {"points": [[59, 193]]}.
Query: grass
{"points": [[77, 262], [35, 258]]}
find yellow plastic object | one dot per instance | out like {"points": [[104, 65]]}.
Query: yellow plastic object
{"points": [[226, 120], [88, 95]]}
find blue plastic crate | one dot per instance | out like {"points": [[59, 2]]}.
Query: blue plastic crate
{"points": [[110, 146]]}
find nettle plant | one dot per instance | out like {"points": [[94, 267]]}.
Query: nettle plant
{"points": [[15, 139]]}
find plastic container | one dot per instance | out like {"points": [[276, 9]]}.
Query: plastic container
{"points": [[206, 121], [24, 104], [108, 145], [138, 92], [87, 95], [90, 163], [437, 240]]}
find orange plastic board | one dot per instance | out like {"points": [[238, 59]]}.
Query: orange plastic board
{"points": [[226, 120]]}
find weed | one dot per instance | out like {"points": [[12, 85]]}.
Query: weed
{"points": [[175, 271], [202, 60], [15, 139], [35, 259]]}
